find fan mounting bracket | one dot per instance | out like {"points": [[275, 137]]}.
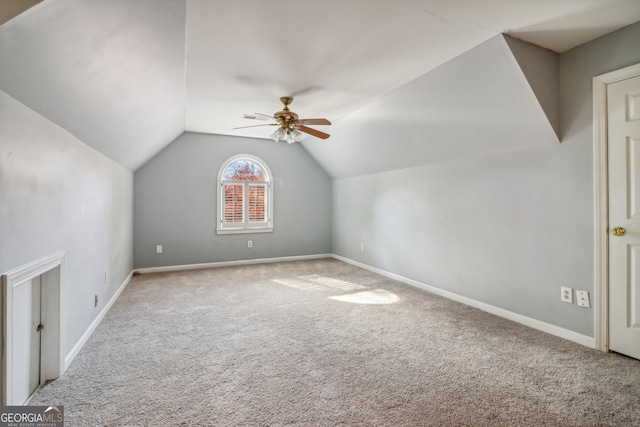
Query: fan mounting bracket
{"points": [[286, 100]]}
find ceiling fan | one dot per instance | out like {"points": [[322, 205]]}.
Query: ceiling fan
{"points": [[290, 127]]}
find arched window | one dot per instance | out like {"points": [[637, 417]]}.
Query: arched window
{"points": [[244, 196]]}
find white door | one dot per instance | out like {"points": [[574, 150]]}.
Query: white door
{"points": [[623, 121], [26, 348]]}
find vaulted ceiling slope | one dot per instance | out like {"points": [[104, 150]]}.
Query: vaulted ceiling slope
{"points": [[127, 77], [109, 72], [478, 103]]}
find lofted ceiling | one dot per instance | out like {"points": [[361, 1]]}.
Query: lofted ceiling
{"points": [[127, 77], [480, 102]]}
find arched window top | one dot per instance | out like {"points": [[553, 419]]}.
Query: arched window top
{"points": [[244, 168]]}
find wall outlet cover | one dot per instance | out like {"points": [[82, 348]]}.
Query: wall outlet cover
{"points": [[566, 295]]}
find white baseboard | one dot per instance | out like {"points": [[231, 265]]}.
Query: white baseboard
{"points": [[228, 263], [527, 321], [92, 327]]}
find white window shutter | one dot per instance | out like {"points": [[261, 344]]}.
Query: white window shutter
{"points": [[233, 203], [257, 202]]}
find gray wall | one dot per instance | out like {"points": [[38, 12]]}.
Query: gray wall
{"points": [[58, 194], [175, 203], [509, 229]]}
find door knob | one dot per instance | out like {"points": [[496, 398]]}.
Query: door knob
{"points": [[618, 231]]}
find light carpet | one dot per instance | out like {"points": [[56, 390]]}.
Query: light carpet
{"points": [[324, 343]]}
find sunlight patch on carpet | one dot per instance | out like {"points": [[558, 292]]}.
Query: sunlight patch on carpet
{"points": [[316, 282], [298, 284], [377, 296], [342, 285]]}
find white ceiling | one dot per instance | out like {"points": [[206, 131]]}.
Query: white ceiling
{"points": [[341, 55], [127, 77], [111, 72]]}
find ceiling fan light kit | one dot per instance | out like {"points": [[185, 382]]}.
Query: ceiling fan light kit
{"points": [[290, 127], [288, 135]]}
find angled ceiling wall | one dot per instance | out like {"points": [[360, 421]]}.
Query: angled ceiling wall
{"points": [[117, 86], [541, 69], [476, 104]]}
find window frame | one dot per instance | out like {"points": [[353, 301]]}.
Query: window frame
{"points": [[223, 227]]}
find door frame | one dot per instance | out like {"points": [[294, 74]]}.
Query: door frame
{"points": [[601, 193], [52, 347]]}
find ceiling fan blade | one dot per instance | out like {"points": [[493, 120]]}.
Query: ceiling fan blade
{"points": [[314, 132], [314, 122], [255, 126], [257, 116]]}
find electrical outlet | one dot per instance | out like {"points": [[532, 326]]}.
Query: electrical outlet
{"points": [[106, 277], [566, 295], [362, 246], [583, 298], [250, 244], [158, 249]]}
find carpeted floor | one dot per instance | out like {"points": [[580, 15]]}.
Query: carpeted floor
{"points": [[270, 345]]}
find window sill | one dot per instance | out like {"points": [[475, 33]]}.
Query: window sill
{"points": [[244, 230]]}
